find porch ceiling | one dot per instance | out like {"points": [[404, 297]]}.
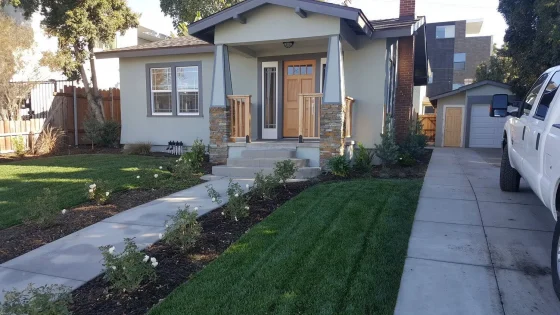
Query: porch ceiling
{"points": [[276, 48]]}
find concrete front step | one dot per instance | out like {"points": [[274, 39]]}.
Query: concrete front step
{"points": [[269, 153], [250, 172], [264, 162]]}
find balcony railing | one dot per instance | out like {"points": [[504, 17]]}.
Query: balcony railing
{"points": [[309, 114], [240, 108]]}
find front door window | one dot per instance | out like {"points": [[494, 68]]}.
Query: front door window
{"points": [[270, 100]]}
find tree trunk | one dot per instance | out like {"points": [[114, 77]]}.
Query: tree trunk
{"points": [[95, 104]]}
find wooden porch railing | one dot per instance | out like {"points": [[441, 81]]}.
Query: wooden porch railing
{"points": [[240, 108], [348, 117], [309, 114]]}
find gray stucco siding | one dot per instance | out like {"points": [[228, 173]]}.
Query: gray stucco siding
{"points": [[272, 22]]}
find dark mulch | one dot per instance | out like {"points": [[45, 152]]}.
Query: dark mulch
{"points": [[175, 267], [20, 239]]}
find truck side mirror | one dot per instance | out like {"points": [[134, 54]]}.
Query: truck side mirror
{"points": [[499, 106]]}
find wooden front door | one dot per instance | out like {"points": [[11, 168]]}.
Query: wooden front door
{"points": [[299, 77], [453, 129]]}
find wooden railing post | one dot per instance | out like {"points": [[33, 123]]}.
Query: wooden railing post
{"points": [[309, 113], [240, 115]]}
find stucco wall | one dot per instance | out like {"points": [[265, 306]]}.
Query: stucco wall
{"points": [[364, 70], [488, 90], [457, 99], [273, 22]]}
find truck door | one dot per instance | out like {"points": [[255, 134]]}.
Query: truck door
{"points": [[519, 126], [537, 122]]}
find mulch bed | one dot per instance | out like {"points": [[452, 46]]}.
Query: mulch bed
{"points": [[174, 267], [20, 239]]}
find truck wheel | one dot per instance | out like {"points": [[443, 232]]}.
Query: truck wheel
{"points": [[509, 177], [555, 255]]}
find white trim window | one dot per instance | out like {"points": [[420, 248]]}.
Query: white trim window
{"points": [[187, 91], [323, 73], [270, 100], [161, 91]]}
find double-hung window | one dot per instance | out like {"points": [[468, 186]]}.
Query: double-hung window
{"points": [[175, 89]]}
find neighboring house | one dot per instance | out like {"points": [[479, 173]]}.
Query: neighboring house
{"points": [[463, 116], [298, 60]]}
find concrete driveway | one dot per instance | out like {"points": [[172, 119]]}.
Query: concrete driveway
{"points": [[475, 249]]}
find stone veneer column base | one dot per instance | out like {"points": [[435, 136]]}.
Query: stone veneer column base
{"points": [[219, 134], [332, 141]]}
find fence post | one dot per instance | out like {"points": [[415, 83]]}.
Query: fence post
{"points": [[75, 118], [112, 101], [30, 141]]}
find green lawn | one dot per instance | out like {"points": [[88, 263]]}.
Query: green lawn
{"points": [[337, 248], [69, 176]]}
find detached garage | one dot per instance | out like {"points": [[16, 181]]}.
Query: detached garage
{"points": [[463, 116]]}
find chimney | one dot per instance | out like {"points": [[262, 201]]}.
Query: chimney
{"points": [[407, 9]]}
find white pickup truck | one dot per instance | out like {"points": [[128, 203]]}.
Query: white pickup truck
{"points": [[531, 149]]}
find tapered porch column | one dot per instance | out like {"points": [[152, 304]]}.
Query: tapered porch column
{"points": [[220, 124], [332, 109]]}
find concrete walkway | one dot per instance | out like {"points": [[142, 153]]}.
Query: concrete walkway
{"points": [[475, 249], [75, 259]]}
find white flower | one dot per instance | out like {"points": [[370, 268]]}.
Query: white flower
{"points": [[246, 207], [190, 160], [91, 190], [223, 213], [114, 268], [176, 161], [236, 219], [195, 208], [112, 249], [156, 175], [161, 167], [123, 268], [247, 186], [153, 260], [160, 236], [167, 225], [107, 193], [213, 199], [63, 211], [236, 195], [92, 186], [138, 177], [146, 258], [154, 264]]}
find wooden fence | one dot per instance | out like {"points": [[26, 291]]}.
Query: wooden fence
{"points": [[68, 111], [429, 126]]}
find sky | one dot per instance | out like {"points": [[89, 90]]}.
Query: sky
{"points": [[433, 10]]}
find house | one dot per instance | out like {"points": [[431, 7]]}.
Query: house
{"points": [[274, 71], [463, 116]]}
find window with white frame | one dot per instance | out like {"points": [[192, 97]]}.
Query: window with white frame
{"points": [[445, 31], [161, 90], [187, 90], [175, 89]]}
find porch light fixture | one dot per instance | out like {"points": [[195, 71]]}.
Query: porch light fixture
{"points": [[288, 44]]}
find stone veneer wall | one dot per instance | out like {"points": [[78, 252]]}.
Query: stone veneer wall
{"points": [[332, 141], [219, 134]]}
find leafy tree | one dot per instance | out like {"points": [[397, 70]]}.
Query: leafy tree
{"points": [[189, 11], [15, 40], [498, 68], [79, 25], [532, 38]]}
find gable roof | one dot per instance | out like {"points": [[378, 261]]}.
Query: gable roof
{"points": [[470, 87], [172, 46], [204, 29]]}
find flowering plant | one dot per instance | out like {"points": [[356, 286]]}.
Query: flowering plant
{"points": [[45, 300], [44, 208], [127, 270], [213, 194], [183, 229], [98, 192], [236, 207]]}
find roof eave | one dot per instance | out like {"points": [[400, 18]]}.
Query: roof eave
{"points": [[469, 87], [157, 51]]}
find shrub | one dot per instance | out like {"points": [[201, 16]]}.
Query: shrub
{"points": [[94, 131], [406, 159], [388, 150], [127, 270], [198, 151], [140, 148], [46, 300], [110, 134], [264, 185], [285, 170], [49, 141], [339, 166], [183, 230], [416, 141], [98, 192], [19, 145], [237, 205], [44, 208], [363, 159], [213, 194], [191, 162]]}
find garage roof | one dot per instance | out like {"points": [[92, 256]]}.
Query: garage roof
{"points": [[469, 87]]}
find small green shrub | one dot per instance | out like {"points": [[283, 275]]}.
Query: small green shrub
{"points": [[140, 148], [264, 185], [46, 300], [213, 194], [183, 230], [388, 150], [94, 131], [416, 141], [111, 134], [285, 170], [407, 160], [363, 159], [44, 208], [198, 151], [191, 162], [127, 270], [98, 192], [339, 166], [237, 205], [19, 145]]}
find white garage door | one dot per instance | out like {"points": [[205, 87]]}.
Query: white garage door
{"points": [[486, 131]]}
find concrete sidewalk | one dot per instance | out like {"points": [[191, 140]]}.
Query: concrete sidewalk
{"points": [[475, 249], [75, 259]]}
